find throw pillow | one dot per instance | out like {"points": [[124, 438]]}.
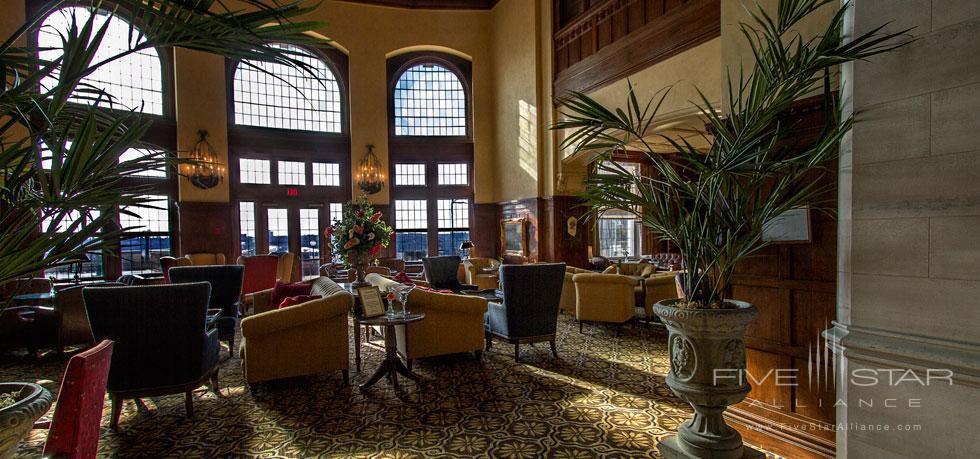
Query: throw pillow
{"points": [[299, 299], [282, 291], [403, 278]]}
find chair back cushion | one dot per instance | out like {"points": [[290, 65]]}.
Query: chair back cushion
{"points": [[225, 280], [442, 272], [77, 419], [205, 258], [159, 333], [532, 294], [284, 271], [260, 272]]}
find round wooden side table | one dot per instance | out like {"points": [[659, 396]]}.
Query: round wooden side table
{"points": [[392, 364]]}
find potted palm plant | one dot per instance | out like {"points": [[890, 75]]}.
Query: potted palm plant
{"points": [[58, 203], [713, 202]]}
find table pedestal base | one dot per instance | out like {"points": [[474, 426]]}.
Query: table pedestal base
{"points": [[392, 365]]}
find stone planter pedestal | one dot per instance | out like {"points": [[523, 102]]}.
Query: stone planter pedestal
{"points": [[17, 420], [707, 364]]}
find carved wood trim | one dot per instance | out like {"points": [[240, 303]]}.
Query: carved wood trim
{"points": [[432, 4], [620, 37]]}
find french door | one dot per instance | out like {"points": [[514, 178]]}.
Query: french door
{"points": [[295, 227]]}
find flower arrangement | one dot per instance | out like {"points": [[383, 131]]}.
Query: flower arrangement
{"points": [[361, 235]]}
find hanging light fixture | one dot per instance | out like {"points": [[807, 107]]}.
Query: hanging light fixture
{"points": [[370, 178], [206, 172]]}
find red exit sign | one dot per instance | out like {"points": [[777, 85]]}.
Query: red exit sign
{"points": [[292, 192]]}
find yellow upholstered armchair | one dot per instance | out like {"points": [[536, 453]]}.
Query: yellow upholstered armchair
{"points": [[303, 339], [658, 287], [604, 298], [568, 289], [203, 258], [482, 272], [452, 324], [285, 271]]}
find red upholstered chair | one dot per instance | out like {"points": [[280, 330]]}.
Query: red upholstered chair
{"points": [[74, 430], [169, 262], [260, 272]]}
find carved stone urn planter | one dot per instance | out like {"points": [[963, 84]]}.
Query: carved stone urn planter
{"points": [[707, 363], [17, 420]]}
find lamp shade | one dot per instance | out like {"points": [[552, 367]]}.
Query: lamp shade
{"points": [[466, 245]]}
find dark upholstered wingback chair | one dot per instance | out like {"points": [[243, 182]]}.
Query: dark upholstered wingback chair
{"points": [[67, 322], [529, 312], [226, 292], [442, 273], [162, 344]]}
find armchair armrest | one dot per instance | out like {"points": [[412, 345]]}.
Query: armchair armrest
{"points": [[451, 303], [260, 301], [268, 322]]}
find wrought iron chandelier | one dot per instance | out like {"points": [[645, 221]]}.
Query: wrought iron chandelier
{"points": [[206, 172], [370, 177]]}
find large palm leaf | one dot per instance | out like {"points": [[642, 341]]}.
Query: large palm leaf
{"points": [[51, 216], [713, 204]]}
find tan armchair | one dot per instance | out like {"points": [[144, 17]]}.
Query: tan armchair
{"points": [[604, 298], [482, 272], [201, 259], [658, 287], [285, 271], [567, 303], [304, 339], [452, 324]]}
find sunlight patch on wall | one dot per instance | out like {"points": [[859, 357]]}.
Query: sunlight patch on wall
{"points": [[527, 143]]}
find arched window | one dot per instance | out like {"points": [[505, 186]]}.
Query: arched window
{"points": [[430, 152], [135, 81], [429, 100], [279, 96]]}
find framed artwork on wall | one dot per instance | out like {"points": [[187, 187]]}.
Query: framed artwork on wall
{"points": [[513, 236], [790, 227]]}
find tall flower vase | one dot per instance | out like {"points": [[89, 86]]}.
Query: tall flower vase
{"points": [[707, 370], [359, 266]]}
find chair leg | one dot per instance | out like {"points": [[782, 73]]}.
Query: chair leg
{"points": [[189, 403], [580, 327], [489, 338], [409, 363], [231, 346], [554, 348], [346, 374], [117, 404], [213, 383], [517, 352]]}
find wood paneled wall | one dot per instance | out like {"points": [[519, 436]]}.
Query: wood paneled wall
{"points": [[207, 227], [616, 38], [794, 288]]}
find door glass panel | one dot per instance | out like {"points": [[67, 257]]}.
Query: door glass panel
{"points": [[278, 224], [309, 241]]}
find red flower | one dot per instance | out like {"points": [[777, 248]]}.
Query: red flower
{"points": [[328, 232], [376, 249], [352, 243], [359, 229], [360, 214], [374, 218], [391, 296]]}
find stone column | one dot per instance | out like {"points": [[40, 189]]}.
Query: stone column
{"points": [[909, 247]]}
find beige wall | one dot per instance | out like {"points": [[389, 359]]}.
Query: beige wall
{"points": [[369, 34], [909, 243], [513, 48]]}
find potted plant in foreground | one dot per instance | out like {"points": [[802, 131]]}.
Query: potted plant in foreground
{"points": [[359, 237], [712, 203], [60, 202]]}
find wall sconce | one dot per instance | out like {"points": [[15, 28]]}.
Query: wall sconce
{"points": [[370, 177], [206, 172]]}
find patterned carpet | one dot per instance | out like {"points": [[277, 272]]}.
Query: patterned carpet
{"points": [[604, 397]]}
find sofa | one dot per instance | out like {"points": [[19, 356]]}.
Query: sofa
{"points": [[303, 339], [482, 272], [452, 324], [567, 303], [604, 298]]}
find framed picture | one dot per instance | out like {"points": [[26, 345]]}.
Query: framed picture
{"points": [[792, 226], [513, 236], [372, 303]]}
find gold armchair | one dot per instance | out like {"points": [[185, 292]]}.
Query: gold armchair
{"points": [[201, 259], [482, 272], [568, 301], [604, 298], [304, 339], [658, 287], [453, 323]]}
